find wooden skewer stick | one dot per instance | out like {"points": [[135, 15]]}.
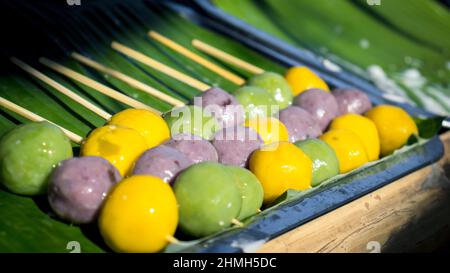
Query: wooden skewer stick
{"points": [[34, 117], [197, 58], [237, 222], [228, 58], [61, 89], [97, 86], [160, 66], [127, 79], [172, 239]]}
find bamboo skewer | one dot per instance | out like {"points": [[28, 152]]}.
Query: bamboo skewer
{"points": [[225, 57], [197, 58], [34, 117], [236, 222], [160, 66], [97, 86], [72, 95], [172, 239], [127, 79]]}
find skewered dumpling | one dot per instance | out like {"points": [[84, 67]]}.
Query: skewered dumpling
{"points": [[150, 126], [121, 146], [235, 144], [352, 101], [192, 119], [299, 123], [320, 104], [276, 85], [194, 147], [228, 113], [29, 153], [163, 162], [78, 186], [256, 101], [208, 198]]}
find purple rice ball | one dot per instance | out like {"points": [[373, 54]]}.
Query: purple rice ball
{"points": [[228, 113], [300, 123], [320, 104], [352, 101], [235, 145], [194, 147], [78, 186], [162, 161]]}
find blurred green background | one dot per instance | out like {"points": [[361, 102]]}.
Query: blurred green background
{"points": [[402, 46]]}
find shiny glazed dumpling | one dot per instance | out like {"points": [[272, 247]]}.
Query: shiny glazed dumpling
{"points": [[161, 161], [229, 111], [352, 101], [300, 123], [320, 104], [235, 144], [78, 186], [28, 155], [194, 147]]}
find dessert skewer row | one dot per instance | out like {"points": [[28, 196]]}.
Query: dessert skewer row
{"points": [[69, 199], [119, 243], [233, 220], [291, 115], [173, 240], [286, 92], [299, 77], [240, 152], [314, 108], [137, 168], [324, 103]]}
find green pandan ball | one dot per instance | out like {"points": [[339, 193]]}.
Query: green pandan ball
{"points": [[325, 161], [256, 101], [29, 153], [208, 198], [192, 120], [276, 85], [251, 190]]}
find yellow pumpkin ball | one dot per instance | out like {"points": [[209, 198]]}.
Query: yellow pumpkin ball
{"points": [[139, 215]]}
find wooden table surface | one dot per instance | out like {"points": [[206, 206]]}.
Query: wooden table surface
{"points": [[410, 214]]}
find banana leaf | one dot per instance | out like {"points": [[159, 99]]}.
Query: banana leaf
{"points": [[27, 224], [403, 56]]}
